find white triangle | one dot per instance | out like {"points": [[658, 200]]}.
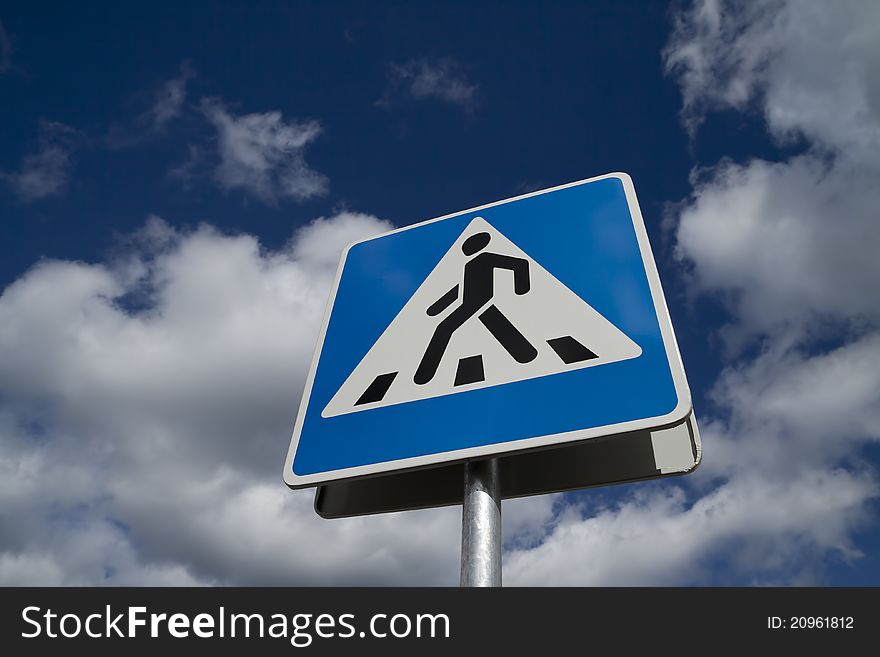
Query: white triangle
{"points": [[548, 311]]}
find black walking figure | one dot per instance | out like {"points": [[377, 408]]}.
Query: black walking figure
{"points": [[477, 290]]}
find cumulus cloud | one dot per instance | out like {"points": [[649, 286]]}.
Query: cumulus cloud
{"points": [[791, 246], [792, 410], [764, 531], [45, 171], [441, 79], [809, 68], [261, 154]]}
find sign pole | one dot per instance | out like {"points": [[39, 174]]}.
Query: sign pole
{"points": [[481, 525]]}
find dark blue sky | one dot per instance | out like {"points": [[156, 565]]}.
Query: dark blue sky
{"points": [[563, 93]]}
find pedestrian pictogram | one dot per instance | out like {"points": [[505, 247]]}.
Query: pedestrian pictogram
{"points": [[486, 315], [476, 292]]}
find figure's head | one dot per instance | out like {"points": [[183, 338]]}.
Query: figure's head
{"points": [[474, 243]]}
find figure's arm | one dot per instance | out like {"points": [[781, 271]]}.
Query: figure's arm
{"points": [[443, 302], [520, 269]]}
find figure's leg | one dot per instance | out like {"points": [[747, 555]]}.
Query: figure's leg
{"points": [[507, 334], [439, 341]]}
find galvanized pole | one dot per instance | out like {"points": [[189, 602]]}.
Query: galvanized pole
{"points": [[481, 525]]}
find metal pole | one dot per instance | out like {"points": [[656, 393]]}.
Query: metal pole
{"points": [[481, 525]]}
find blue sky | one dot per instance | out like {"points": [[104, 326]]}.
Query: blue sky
{"points": [[176, 184]]}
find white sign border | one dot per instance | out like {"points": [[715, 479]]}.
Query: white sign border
{"points": [[681, 411]]}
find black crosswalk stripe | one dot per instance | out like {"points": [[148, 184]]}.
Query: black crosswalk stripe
{"points": [[570, 350], [377, 390]]}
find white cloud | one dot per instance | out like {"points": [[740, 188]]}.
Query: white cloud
{"points": [[441, 79], [790, 245], [262, 155], [527, 520], [809, 67], [790, 410], [45, 171], [169, 99], [763, 531]]}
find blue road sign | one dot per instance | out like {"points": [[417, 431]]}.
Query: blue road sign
{"points": [[522, 324]]}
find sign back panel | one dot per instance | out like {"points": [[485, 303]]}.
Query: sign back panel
{"points": [[618, 459]]}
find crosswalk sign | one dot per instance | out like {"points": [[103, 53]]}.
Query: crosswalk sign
{"points": [[528, 323]]}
